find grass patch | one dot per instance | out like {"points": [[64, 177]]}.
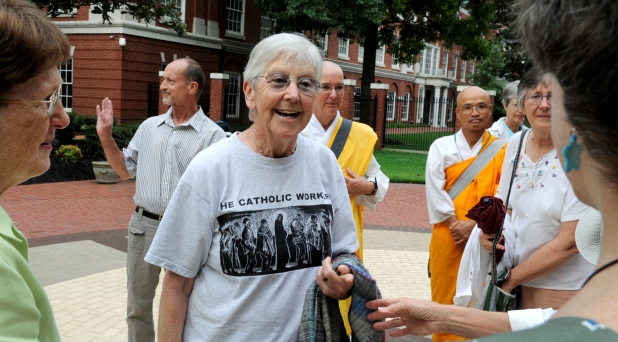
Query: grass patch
{"points": [[402, 167], [415, 141]]}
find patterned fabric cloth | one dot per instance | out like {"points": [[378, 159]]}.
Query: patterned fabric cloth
{"points": [[321, 320]]}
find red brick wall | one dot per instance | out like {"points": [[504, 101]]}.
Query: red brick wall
{"points": [[217, 87], [103, 68], [347, 108]]}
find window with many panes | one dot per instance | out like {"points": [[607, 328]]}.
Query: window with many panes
{"points": [[463, 70], [232, 96], [472, 67], [361, 52], [344, 47], [321, 41], [390, 106], [66, 91], [267, 27], [405, 105], [380, 56], [455, 58], [429, 61], [235, 16], [179, 8], [357, 92]]}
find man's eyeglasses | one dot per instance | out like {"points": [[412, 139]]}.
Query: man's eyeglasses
{"points": [[537, 98], [481, 108], [279, 82], [328, 89], [51, 101]]}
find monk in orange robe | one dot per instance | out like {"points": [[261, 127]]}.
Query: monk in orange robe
{"points": [[448, 158]]}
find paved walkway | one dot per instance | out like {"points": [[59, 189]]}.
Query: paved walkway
{"points": [[77, 235]]}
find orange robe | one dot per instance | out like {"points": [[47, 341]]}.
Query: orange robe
{"points": [[444, 255]]}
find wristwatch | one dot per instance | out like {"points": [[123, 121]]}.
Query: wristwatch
{"points": [[375, 187]]}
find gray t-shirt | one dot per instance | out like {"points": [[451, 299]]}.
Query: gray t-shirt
{"points": [[252, 231]]}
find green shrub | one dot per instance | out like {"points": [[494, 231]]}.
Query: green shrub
{"points": [[91, 145], [68, 154]]}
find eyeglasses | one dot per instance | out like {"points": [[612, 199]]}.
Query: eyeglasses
{"points": [[327, 89], [537, 98], [51, 103], [481, 108], [279, 82]]}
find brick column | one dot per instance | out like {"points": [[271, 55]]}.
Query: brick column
{"points": [[163, 108], [380, 91], [347, 108], [217, 92]]}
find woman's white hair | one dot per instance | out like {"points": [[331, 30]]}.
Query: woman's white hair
{"points": [[290, 47]]}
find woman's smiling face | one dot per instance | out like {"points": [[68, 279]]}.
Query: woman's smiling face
{"points": [[282, 114]]}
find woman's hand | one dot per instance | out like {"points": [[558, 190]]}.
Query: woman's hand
{"points": [[413, 317], [334, 285], [487, 241]]}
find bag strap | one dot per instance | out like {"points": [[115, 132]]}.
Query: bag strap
{"points": [[342, 137], [475, 168], [506, 207]]}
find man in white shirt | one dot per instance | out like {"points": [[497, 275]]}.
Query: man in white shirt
{"points": [[352, 143], [451, 192]]}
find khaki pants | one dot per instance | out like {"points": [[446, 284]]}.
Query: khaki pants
{"points": [[533, 297], [142, 279]]}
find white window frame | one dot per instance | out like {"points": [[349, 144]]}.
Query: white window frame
{"points": [[361, 53], [463, 70], [181, 8], [66, 92], [266, 31], [343, 50], [380, 56], [405, 106], [429, 60], [231, 9], [231, 98], [472, 67], [394, 63], [455, 58], [356, 115], [445, 54], [390, 106], [321, 41]]}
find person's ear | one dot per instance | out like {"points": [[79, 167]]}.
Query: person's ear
{"points": [[249, 94]]}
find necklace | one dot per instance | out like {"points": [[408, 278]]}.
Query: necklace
{"points": [[601, 269]]}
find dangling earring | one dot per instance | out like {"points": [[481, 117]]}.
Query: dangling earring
{"points": [[571, 153]]}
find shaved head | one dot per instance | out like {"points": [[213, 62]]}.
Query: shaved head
{"points": [[329, 102], [472, 91], [473, 109]]}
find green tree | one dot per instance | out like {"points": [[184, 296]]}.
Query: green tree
{"points": [[489, 70], [516, 61], [373, 23], [144, 10]]}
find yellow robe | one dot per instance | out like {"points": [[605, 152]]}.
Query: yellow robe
{"points": [[444, 255], [356, 155]]}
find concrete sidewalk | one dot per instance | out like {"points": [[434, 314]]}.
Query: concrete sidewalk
{"points": [[77, 234]]}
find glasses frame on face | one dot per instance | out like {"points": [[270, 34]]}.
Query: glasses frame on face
{"points": [[310, 90], [51, 103], [536, 99], [469, 109], [327, 89]]}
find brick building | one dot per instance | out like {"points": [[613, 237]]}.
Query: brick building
{"points": [[123, 61]]}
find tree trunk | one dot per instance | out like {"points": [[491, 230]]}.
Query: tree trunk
{"points": [[369, 70]]}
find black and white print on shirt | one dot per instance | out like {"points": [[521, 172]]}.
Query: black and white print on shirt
{"points": [[275, 240]]}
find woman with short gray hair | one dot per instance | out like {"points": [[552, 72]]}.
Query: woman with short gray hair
{"points": [[273, 183], [505, 127]]}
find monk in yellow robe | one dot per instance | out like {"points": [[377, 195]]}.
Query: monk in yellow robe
{"points": [[353, 144], [448, 202]]}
